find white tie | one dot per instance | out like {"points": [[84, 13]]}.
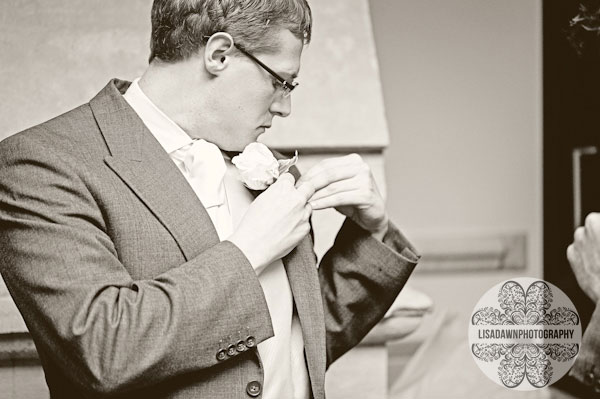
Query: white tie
{"points": [[205, 169]]}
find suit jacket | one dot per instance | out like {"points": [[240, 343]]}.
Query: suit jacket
{"points": [[587, 366], [120, 276]]}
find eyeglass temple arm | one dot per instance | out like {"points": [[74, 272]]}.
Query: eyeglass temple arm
{"points": [[288, 85]]}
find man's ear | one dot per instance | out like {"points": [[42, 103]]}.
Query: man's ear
{"points": [[218, 52]]}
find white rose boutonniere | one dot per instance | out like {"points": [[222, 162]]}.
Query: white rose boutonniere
{"points": [[258, 167]]}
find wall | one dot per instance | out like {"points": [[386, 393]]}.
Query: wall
{"points": [[462, 89], [462, 83]]}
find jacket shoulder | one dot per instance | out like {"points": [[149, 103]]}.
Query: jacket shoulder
{"points": [[59, 135]]}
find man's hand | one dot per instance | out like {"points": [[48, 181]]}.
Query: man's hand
{"points": [[347, 184], [274, 223], [584, 256]]}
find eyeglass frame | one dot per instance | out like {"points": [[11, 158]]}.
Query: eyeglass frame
{"points": [[288, 87]]}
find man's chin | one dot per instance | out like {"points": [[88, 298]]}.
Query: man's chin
{"points": [[237, 147]]}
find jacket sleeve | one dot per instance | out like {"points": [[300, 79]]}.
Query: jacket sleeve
{"points": [[360, 279], [106, 331], [587, 366]]}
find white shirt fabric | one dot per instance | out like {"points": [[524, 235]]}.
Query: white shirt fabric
{"points": [[217, 184]]}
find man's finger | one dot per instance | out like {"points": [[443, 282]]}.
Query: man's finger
{"points": [[307, 211], [336, 187], [592, 224], [336, 162], [348, 198], [579, 235], [286, 178], [351, 164], [305, 189], [326, 177], [577, 265], [584, 277], [573, 257]]}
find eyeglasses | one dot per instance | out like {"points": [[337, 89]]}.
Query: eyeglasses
{"points": [[286, 87]]}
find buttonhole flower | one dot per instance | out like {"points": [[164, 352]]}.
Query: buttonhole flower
{"points": [[258, 166]]}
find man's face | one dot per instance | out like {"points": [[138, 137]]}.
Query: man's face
{"points": [[250, 97]]}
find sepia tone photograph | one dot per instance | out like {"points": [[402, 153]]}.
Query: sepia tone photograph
{"points": [[300, 199]]}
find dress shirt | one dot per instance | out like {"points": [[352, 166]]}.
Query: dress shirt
{"points": [[217, 184]]}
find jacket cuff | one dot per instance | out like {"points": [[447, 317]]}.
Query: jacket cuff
{"points": [[395, 256], [396, 241]]}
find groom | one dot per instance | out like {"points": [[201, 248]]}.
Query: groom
{"points": [[141, 264]]}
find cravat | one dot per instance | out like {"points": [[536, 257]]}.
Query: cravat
{"points": [[204, 168]]}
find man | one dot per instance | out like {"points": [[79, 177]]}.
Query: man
{"points": [[143, 267], [584, 256]]}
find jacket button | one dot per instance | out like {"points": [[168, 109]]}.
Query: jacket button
{"points": [[221, 355], [241, 346], [231, 351], [253, 388], [250, 341]]}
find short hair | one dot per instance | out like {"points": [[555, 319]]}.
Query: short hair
{"points": [[179, 27]]}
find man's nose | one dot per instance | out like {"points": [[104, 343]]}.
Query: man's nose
{"points": [[282, 106]]}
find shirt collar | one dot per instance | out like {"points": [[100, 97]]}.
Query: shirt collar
{"points": [[170, 136]]}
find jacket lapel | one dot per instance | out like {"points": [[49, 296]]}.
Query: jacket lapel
{"points": [[141, 162], [301, 269]]}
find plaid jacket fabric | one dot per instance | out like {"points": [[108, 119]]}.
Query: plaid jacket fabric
{"points": [[120, 276]]}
